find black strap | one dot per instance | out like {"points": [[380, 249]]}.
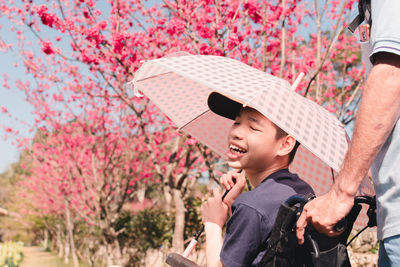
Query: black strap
{"points": [[364, 13], [355, 23]]}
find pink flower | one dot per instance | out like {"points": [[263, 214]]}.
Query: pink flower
{"points": [[90, 59], [3, 109], [119, 43], [94, 35], [232, 41], [204, 30], [252, 10], [206, 50], [46, 18], [190, 141], [102, 24], [176, 26], [47, 48]]}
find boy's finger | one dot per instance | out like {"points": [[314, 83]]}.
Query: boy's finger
{"points": [[229, 178], [239, 177], [217, 193], [224, 182]]}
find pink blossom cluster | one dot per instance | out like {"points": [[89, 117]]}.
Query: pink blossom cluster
{"points": [[176, 26], [94, 36], [47, 48], [49, 19]]}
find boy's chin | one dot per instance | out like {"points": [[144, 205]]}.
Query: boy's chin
{"points": [[235, 164]]}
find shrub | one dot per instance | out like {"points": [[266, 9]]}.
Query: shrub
{"points": [[10, 254]]}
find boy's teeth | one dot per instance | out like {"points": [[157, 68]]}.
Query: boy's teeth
{"points": [[237, 149]]}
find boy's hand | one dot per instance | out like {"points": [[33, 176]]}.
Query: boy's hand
{"points": [[235, 182], [214, 210]]}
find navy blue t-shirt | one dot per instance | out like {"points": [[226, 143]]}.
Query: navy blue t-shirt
{"points": [[253, 216]]}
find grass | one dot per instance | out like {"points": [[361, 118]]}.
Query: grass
{"points": [[37, 257]]}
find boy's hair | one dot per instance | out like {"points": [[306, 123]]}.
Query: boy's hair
{"points": [[281, 133]]}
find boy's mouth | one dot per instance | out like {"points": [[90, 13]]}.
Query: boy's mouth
{"points": [[236, 150]]}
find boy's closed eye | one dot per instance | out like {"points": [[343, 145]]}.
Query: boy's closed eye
{"points": [[255, 129]]}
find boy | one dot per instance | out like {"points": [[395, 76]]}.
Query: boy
{"points": [[263, 151]]}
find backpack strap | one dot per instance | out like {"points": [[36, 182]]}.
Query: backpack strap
{"points": [[364, 13]]}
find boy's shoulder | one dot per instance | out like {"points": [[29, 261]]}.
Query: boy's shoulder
{"points": [[272, 191]]}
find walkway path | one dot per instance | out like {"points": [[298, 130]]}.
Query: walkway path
{"points": [[37, 257]]}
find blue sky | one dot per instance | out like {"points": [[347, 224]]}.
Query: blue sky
{"points": [[13, 100]]}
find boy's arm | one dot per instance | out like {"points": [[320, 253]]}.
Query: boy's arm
{"points": [[214, 215], [213, 244]]}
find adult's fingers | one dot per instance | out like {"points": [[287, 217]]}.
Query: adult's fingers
{"points": [[324, 227], [301, 226]]}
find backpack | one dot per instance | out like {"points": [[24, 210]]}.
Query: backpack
{"points": [[364, 13], [318, 249], [282, 249]]}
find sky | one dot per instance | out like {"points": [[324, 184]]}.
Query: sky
{"points": [[13, 100]]}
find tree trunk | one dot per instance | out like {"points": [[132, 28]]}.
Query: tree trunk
{"points": [[59, 242], [177, 241], [66, 250], [116, 251], [113, 255], [45, 239], [167, 199], [141, 192], [70, 233]]}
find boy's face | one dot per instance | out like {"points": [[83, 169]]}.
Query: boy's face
{"points": [[252, 142]]}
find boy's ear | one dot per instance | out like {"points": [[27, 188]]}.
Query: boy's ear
{"points": [[287, 145]]}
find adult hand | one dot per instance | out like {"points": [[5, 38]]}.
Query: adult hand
{"points": [[235, 181], [324, 213], [214, 210]]}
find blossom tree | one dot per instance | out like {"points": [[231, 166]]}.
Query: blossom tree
{"points": [[102, 141]]}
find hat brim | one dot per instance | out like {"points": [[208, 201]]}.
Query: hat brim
{"points": [[223, 106]]}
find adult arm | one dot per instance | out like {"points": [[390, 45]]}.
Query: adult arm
{"points": [[376, 118]]}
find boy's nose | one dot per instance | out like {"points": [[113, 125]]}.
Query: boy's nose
{"points": [[236, 132]]}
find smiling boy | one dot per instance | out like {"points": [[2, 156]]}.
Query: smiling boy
{"points": [[263, 151]]}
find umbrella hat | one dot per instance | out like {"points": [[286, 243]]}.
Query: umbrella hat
{"points": [[186, 87]]}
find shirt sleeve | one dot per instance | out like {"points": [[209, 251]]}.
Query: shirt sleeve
{"points": [[245, 232]]}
